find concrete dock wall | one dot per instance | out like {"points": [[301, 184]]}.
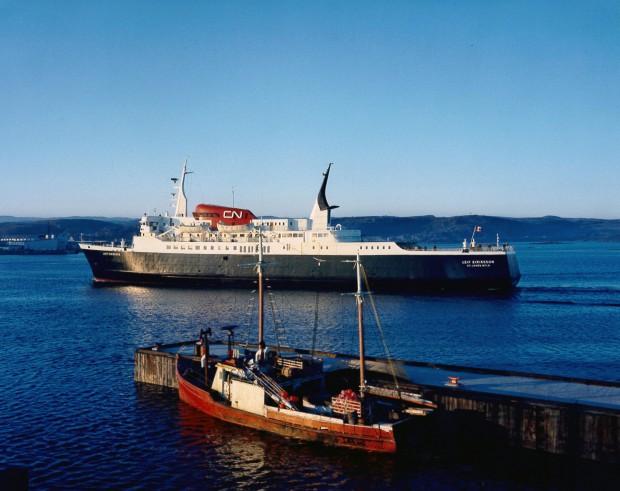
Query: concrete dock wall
{"points": [[572, 430]]}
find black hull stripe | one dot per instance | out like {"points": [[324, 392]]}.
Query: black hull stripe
{"points": [[420, 272]]}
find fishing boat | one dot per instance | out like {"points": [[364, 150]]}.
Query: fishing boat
{"points": [[298, 396]]}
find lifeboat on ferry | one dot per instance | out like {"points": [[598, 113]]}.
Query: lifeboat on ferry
{"points": [[224, 217]]}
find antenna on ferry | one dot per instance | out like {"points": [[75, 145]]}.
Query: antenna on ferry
{"points": [[233, 195]]}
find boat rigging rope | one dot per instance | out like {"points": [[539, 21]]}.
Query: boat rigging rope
{"points": [[380, 329], [316, 323], [277, 323], [250, 316], [347, 334]]}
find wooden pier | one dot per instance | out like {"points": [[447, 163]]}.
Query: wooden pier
{"points": [[578, 418], [155, 367]]}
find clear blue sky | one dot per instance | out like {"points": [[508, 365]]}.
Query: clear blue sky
{"points": [[428, 107]]}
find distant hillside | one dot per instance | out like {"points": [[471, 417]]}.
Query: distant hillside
{"points": [[423, 229], [431, 229], [100, 229], [7, 218]]}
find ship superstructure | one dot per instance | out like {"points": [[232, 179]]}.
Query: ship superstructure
{"points": [[211, 245]]}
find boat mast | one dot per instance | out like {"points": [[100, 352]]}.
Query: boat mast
{"points": [[360, 325], [259, 269]]}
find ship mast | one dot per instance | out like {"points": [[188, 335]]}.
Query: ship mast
{"points": [[259, 270], [360, 325]]}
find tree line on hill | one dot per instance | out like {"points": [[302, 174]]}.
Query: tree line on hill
{"points": [[426, 229], [87, 229], [432, 229]]}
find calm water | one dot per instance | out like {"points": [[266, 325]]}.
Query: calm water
{"points": [[70, 411]]}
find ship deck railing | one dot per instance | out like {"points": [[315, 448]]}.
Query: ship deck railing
{"points": [[408, 246]]}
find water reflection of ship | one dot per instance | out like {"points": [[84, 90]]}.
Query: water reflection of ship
{"points": [[233, 457], [238, 450]]}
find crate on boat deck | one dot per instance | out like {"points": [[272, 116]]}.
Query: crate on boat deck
{"points": [[346, 402], [300, 365]]}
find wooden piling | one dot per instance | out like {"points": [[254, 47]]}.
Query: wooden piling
{"points": [[155, 367]]}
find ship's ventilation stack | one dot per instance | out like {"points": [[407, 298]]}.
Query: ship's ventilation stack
{"points": [[321, 212], [181, 208]]}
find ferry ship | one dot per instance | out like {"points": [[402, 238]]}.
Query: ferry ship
{"points": [[213, 245]]}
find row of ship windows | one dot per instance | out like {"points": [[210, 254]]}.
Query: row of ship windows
{"points": [[219, 248], [281, 235], [270, 223], [255, 248]]}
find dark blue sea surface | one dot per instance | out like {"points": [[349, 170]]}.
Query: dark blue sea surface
{"points": [[71, 413]]}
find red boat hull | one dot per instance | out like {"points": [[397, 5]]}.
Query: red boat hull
{"points": [[292, 424]]}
